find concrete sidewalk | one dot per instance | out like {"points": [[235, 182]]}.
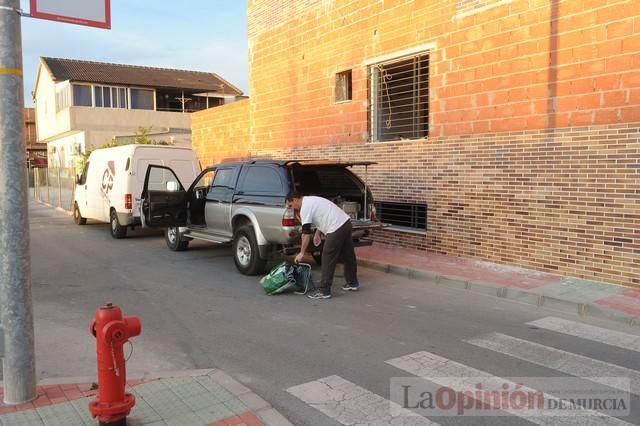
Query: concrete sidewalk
{"points": [[533, 287], [196, 397]]}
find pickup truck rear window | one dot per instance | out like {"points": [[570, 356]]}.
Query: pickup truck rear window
{"points": [[326, 181], [259, 179]]}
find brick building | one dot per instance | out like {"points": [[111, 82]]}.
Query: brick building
{"points": [[515, 122]]}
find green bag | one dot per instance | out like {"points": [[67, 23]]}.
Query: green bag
{"points": [[286, 277]]}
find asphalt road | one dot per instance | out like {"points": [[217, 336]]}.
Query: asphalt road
{"points": [[197, 311]]}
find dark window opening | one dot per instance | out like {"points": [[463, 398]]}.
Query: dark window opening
{"points": [[343, 86], [405, 215], [400, 99], [184, 100], [326, 182]]}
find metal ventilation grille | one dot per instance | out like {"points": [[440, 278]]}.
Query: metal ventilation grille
{"points": [[400, 101]]}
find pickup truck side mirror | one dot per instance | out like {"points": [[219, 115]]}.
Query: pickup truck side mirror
{"points": [[172, 186]]}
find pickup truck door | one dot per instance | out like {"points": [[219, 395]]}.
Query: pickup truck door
{"points": [[164, 199], [219, 198]]}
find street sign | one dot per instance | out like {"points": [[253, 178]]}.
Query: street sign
{"points": [[93, 13]]}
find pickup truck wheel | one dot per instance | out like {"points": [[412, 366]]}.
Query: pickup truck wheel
{"points": [[175, 240], [77, 217], [117, 231], [245, 252]]}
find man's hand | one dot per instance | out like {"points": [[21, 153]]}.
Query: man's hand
{"points": [[298, 257]]}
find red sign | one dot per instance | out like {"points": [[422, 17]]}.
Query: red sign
{"points": [[93, 13]]}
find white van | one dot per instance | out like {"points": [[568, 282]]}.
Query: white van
{"points": [[109, 188]]}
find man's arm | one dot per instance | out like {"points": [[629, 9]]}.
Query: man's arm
{"points": [[306, 239]]}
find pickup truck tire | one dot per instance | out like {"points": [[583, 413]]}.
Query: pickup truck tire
{"points": [[175, 239], [117, 231], [77, 217], [245, 251]]}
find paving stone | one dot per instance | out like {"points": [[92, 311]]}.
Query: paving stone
{"points": [[214, 413], [200, 402], [21, 418], [185, 387], [63, 414], [229, 383], [187, 419], [165, 403], [215, 388], [236, 406], [82, 408], [142, 413]]}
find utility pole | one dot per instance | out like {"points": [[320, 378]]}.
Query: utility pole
{"points": [[16, 310]]}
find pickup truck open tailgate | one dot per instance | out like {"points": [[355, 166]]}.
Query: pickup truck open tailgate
{"points": [[361, 231]]}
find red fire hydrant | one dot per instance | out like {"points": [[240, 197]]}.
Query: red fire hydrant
{"points": [[112, 331]]}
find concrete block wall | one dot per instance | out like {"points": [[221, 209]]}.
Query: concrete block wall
{"points": [[533, 156], [221, 133]]}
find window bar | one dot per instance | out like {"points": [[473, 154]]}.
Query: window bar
{"points": [[374, 105]]}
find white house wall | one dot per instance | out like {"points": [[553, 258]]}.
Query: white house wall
{"points": [[49, 122], [103, 124], [65, 152]]}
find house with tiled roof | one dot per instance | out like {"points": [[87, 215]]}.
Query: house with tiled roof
{"points": [[80, 104]]}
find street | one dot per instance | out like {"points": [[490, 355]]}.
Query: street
{"points": [[197, 312]]}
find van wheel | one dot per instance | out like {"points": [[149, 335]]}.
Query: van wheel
{"points": [[245, 251], [77, 217], [117, 231], [175, 239]]}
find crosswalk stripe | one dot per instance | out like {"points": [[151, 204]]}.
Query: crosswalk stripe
{"points": [[556, 359], [460, 377], [349, 404], [589, 332]]}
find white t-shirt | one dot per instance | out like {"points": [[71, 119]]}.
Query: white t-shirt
{"points": [[325, 215]]}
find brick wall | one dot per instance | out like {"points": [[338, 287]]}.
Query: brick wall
{"points": [[221, 133], [533, 153], [564, 201]]}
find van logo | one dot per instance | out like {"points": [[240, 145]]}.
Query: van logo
{"points": [[107, 177]]}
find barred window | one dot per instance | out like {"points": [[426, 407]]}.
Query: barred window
{"points": [[399, 104], [403, 215], [343, 86]]}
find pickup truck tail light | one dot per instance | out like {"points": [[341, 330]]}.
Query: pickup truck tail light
{"points": [[127, 201], [289, 218]]}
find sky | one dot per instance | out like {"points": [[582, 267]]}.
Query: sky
{"points": [[199, 35]]}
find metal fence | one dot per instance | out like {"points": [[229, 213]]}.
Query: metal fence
{"points": [[53, 186]]}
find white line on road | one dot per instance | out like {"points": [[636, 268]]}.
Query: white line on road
{"points": [[589, 332], [462, 378], [349, 404], [556, 359]]}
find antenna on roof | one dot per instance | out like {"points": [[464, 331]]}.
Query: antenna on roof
{"points": [[183, 100]]}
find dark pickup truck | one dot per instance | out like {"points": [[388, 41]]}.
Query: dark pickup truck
{"points": [[243, 203]]}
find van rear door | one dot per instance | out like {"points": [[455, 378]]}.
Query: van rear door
{"points": [[164, 199]]}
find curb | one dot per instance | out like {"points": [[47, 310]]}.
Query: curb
{"points": [[261, 408], [515, 294]]}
